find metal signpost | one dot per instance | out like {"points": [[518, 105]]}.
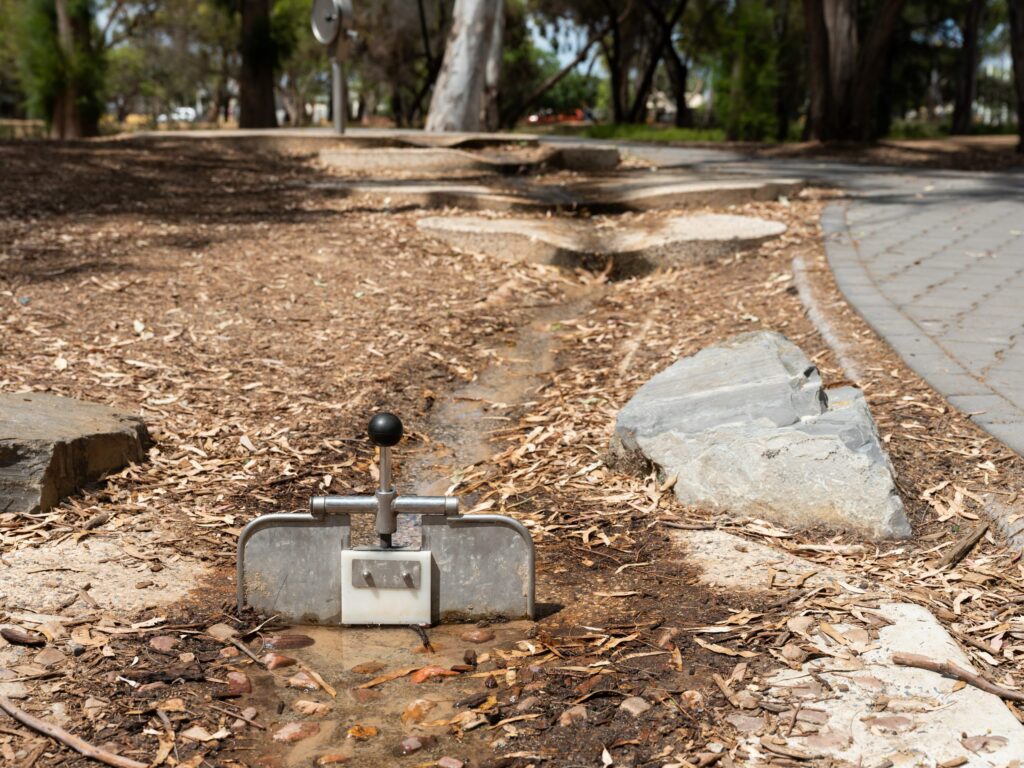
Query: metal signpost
{"points": [[331, 21], [303, 567]]}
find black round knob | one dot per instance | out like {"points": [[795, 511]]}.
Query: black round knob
{"points": [[385, 429]]}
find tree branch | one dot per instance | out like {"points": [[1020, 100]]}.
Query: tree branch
{"points": [[57, 733], [949, 669]]}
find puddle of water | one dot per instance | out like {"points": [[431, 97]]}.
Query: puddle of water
{"points": [[333, 654]]}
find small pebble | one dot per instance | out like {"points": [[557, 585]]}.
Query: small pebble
{"points": [[311, 708], [368, 668], [229, 652], [577, 714], [292, 732], [449, 762], [634, 705], [238, 684], [163, 643], [477, 636], [414, 744], [365, 695], [527, 704], [469, 657], [303, 682], [276, 661]]}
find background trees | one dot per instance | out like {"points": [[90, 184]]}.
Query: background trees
{"points": [[754, 69]]}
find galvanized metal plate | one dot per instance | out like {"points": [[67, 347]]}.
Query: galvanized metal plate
{"points": [[482, 566], [289, 565], [385, 574]]}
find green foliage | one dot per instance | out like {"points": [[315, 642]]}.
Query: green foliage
{"points": [[653, 133], [746, 77], [47, 70], [303, 61], [525, 67]]}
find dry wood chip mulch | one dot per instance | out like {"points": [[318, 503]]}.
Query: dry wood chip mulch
{"points": [[255, 324]]}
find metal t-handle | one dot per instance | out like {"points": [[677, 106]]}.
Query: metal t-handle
{"points": [[385, 430]]}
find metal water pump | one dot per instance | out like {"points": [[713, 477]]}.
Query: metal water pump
{"points": [[303, 567]]}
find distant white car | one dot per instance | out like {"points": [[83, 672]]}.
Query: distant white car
{"points": [[179, 115]]}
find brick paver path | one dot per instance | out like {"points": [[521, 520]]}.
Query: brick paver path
{"points": [[935, 264]]}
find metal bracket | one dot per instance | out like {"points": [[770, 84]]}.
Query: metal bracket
{"points": [[385, 574]]}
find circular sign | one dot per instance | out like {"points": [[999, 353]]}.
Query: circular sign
{"points": [[327, 19]]}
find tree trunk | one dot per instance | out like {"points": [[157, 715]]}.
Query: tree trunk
{"points": [[816, 127], [874, 58], [844, 74], [256, 78], [678, 73], [458, 94], [74, 114], [967, 80], [491, 116], [841, 22], [1016, 13], [661, 48], [784, 81]]}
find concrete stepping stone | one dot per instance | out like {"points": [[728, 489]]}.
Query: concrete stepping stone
{"points": [[416, 193], [608, 194], [648, 191], [747, 428], [51, 446], [430, 161], [927, 719], [636, 247]]}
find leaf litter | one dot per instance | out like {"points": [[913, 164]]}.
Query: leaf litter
{"points": [[240, 367]]}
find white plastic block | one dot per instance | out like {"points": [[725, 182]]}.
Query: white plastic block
{"points": [[367, 605]]}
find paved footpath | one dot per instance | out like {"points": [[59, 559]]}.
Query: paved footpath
{"points": [[933, 260]]}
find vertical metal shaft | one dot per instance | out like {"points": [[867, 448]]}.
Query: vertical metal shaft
{"points": [[384, 497], [339, 96]]}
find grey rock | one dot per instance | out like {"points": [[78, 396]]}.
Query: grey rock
{"points": [[757, 379], [747, 428], [634, 705], [51, 446]]}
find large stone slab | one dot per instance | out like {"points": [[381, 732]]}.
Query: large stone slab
{"points": [[648, 191], [610, 193], [433, 161], [747, 428], [635, 247], [51, 446], [849, 719], [470, 195], [873, 712]]}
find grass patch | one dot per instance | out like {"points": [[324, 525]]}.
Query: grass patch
{"points": [[653, 133]]}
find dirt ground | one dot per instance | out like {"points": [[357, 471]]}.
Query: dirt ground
{"points": [[256, 322]]}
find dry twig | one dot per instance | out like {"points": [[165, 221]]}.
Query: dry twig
{"points": [[57, 733], [949, 669]]}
